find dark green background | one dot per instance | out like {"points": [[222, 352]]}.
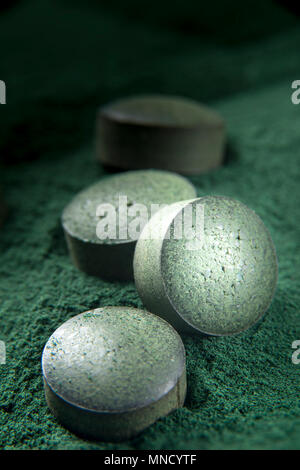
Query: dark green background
{"points": [[60, 60]]}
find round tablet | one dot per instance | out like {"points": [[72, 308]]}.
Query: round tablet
{"points": [[166, 132], [216, 276], [103, 222], [111, 372]]}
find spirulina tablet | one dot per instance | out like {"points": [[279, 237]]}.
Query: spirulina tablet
{"points": [[218, 277], [103, 222], [157, 131], [111, 372]]}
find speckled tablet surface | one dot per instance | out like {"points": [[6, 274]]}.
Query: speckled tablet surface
{"points": [[111, 256], [220, 288], [160, 131], [111, 372]]}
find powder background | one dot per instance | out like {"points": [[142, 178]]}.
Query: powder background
{"points": [[243, 391]]}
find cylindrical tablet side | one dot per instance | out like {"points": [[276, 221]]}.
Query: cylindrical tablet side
{"points": [[147, 266], [114, 426], [114, 262], [132, 146], [157, 131]]}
